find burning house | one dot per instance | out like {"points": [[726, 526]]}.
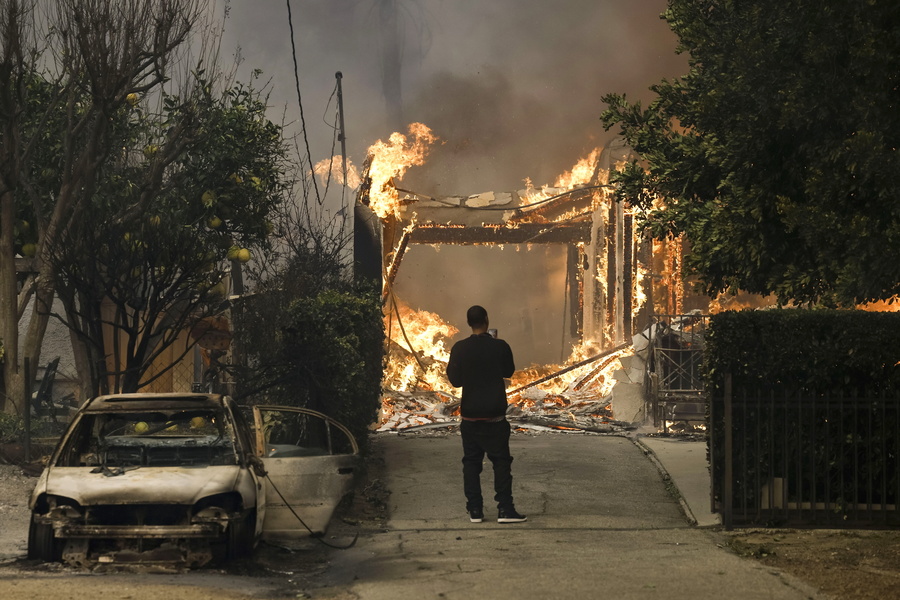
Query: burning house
{"points": [[604, 283]]}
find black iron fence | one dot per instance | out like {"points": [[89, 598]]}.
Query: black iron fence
{"points": [[813, 459]]}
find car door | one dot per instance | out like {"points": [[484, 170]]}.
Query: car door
{"points": [[310, 460]]}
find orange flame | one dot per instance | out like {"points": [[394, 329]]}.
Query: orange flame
{"points": [[419, 364], [593, 380], [420, 335], [581, 173], [333, 167], [390, 160]]}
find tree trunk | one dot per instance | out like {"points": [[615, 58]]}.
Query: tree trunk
{"points": [[9, 333]]}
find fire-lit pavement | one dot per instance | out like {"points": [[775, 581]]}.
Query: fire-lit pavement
{"points": [[601, 524]]}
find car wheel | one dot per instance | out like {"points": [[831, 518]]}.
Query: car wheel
{"points": [[241, 536], [42, 544]]}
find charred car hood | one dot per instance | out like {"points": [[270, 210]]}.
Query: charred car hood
{"points": [[144, 485]]}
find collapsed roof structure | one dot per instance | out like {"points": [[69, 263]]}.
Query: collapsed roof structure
{"points": [[614, 276], [616, 283]]}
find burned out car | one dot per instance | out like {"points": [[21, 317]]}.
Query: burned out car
{"points": [[186, 478]]}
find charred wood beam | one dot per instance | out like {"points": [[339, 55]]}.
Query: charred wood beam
{"points": [[611, 288], [573, 281], [553, 208], [365, 186], [366, 244], [581, 363], [628, 276], [563, 424], [402, 245], [526, 233]]}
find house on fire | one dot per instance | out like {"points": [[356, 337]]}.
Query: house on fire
{"points": [[617, 281]]}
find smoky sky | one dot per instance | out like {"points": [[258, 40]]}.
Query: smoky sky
{"points": [[512, 87]]}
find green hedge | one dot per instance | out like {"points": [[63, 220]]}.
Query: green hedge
{"points": [[805, 349], [815, 404], [333, 346]]}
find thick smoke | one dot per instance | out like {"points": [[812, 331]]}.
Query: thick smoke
{"points": [[512, 88]]}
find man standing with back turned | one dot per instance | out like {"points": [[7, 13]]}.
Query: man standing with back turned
{"points": [[479, 364]]}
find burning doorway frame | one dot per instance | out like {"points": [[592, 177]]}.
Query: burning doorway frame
{"points": [[608, 264], [612, 274]]}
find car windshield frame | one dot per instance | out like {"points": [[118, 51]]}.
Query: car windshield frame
{"points": [[144, 437]]}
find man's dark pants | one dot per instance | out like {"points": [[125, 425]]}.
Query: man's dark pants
{"points": [[480, 438]]}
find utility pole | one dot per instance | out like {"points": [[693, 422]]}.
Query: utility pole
{"points": [[342, 138]]}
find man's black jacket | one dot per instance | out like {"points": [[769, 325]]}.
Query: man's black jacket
{"points": [[478, 364]]}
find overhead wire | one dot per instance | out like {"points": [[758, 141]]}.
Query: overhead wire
{"points": [[300, 100], [312, 533]]}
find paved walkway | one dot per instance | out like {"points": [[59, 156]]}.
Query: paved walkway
{"points": [[601, 524]]}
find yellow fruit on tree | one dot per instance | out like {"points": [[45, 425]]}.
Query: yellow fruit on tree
{"points": [[214, 222], [29, 250], [208, 198], [132, 98], [243, 255], [233, 252]]}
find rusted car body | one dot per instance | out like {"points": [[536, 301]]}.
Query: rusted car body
{"points": [[186, 478]]}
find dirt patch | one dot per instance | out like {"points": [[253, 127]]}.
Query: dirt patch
{"points": [[845, 564]]}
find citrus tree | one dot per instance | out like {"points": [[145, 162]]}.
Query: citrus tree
{"points": [[166, 229]]}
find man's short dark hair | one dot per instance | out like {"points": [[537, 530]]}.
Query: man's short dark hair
{"points": [[476, 316]]}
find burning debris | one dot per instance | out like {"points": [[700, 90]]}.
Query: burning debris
{"points": [[573, 397]]}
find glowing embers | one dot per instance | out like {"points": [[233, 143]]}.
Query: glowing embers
{"points": [[575, 396], [404, 410]]}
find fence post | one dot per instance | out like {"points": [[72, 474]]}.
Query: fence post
{"points": [[712, 450], [728, 483]]}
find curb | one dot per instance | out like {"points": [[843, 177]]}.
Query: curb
{"points": [[648, 452]]}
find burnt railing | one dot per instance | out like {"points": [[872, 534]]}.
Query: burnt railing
{"points": [[784, 457], [676, 362]]}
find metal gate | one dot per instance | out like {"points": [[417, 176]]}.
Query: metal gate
{"points": [[676, 359]]}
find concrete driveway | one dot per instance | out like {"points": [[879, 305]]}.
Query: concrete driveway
{"points": [[601, 524]]}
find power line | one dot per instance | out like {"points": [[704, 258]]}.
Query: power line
{"points": [[300, 101]]}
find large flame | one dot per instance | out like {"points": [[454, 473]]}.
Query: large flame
{"points": [[390, 160], [593, 380], [582, 173], [418, 355]]}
